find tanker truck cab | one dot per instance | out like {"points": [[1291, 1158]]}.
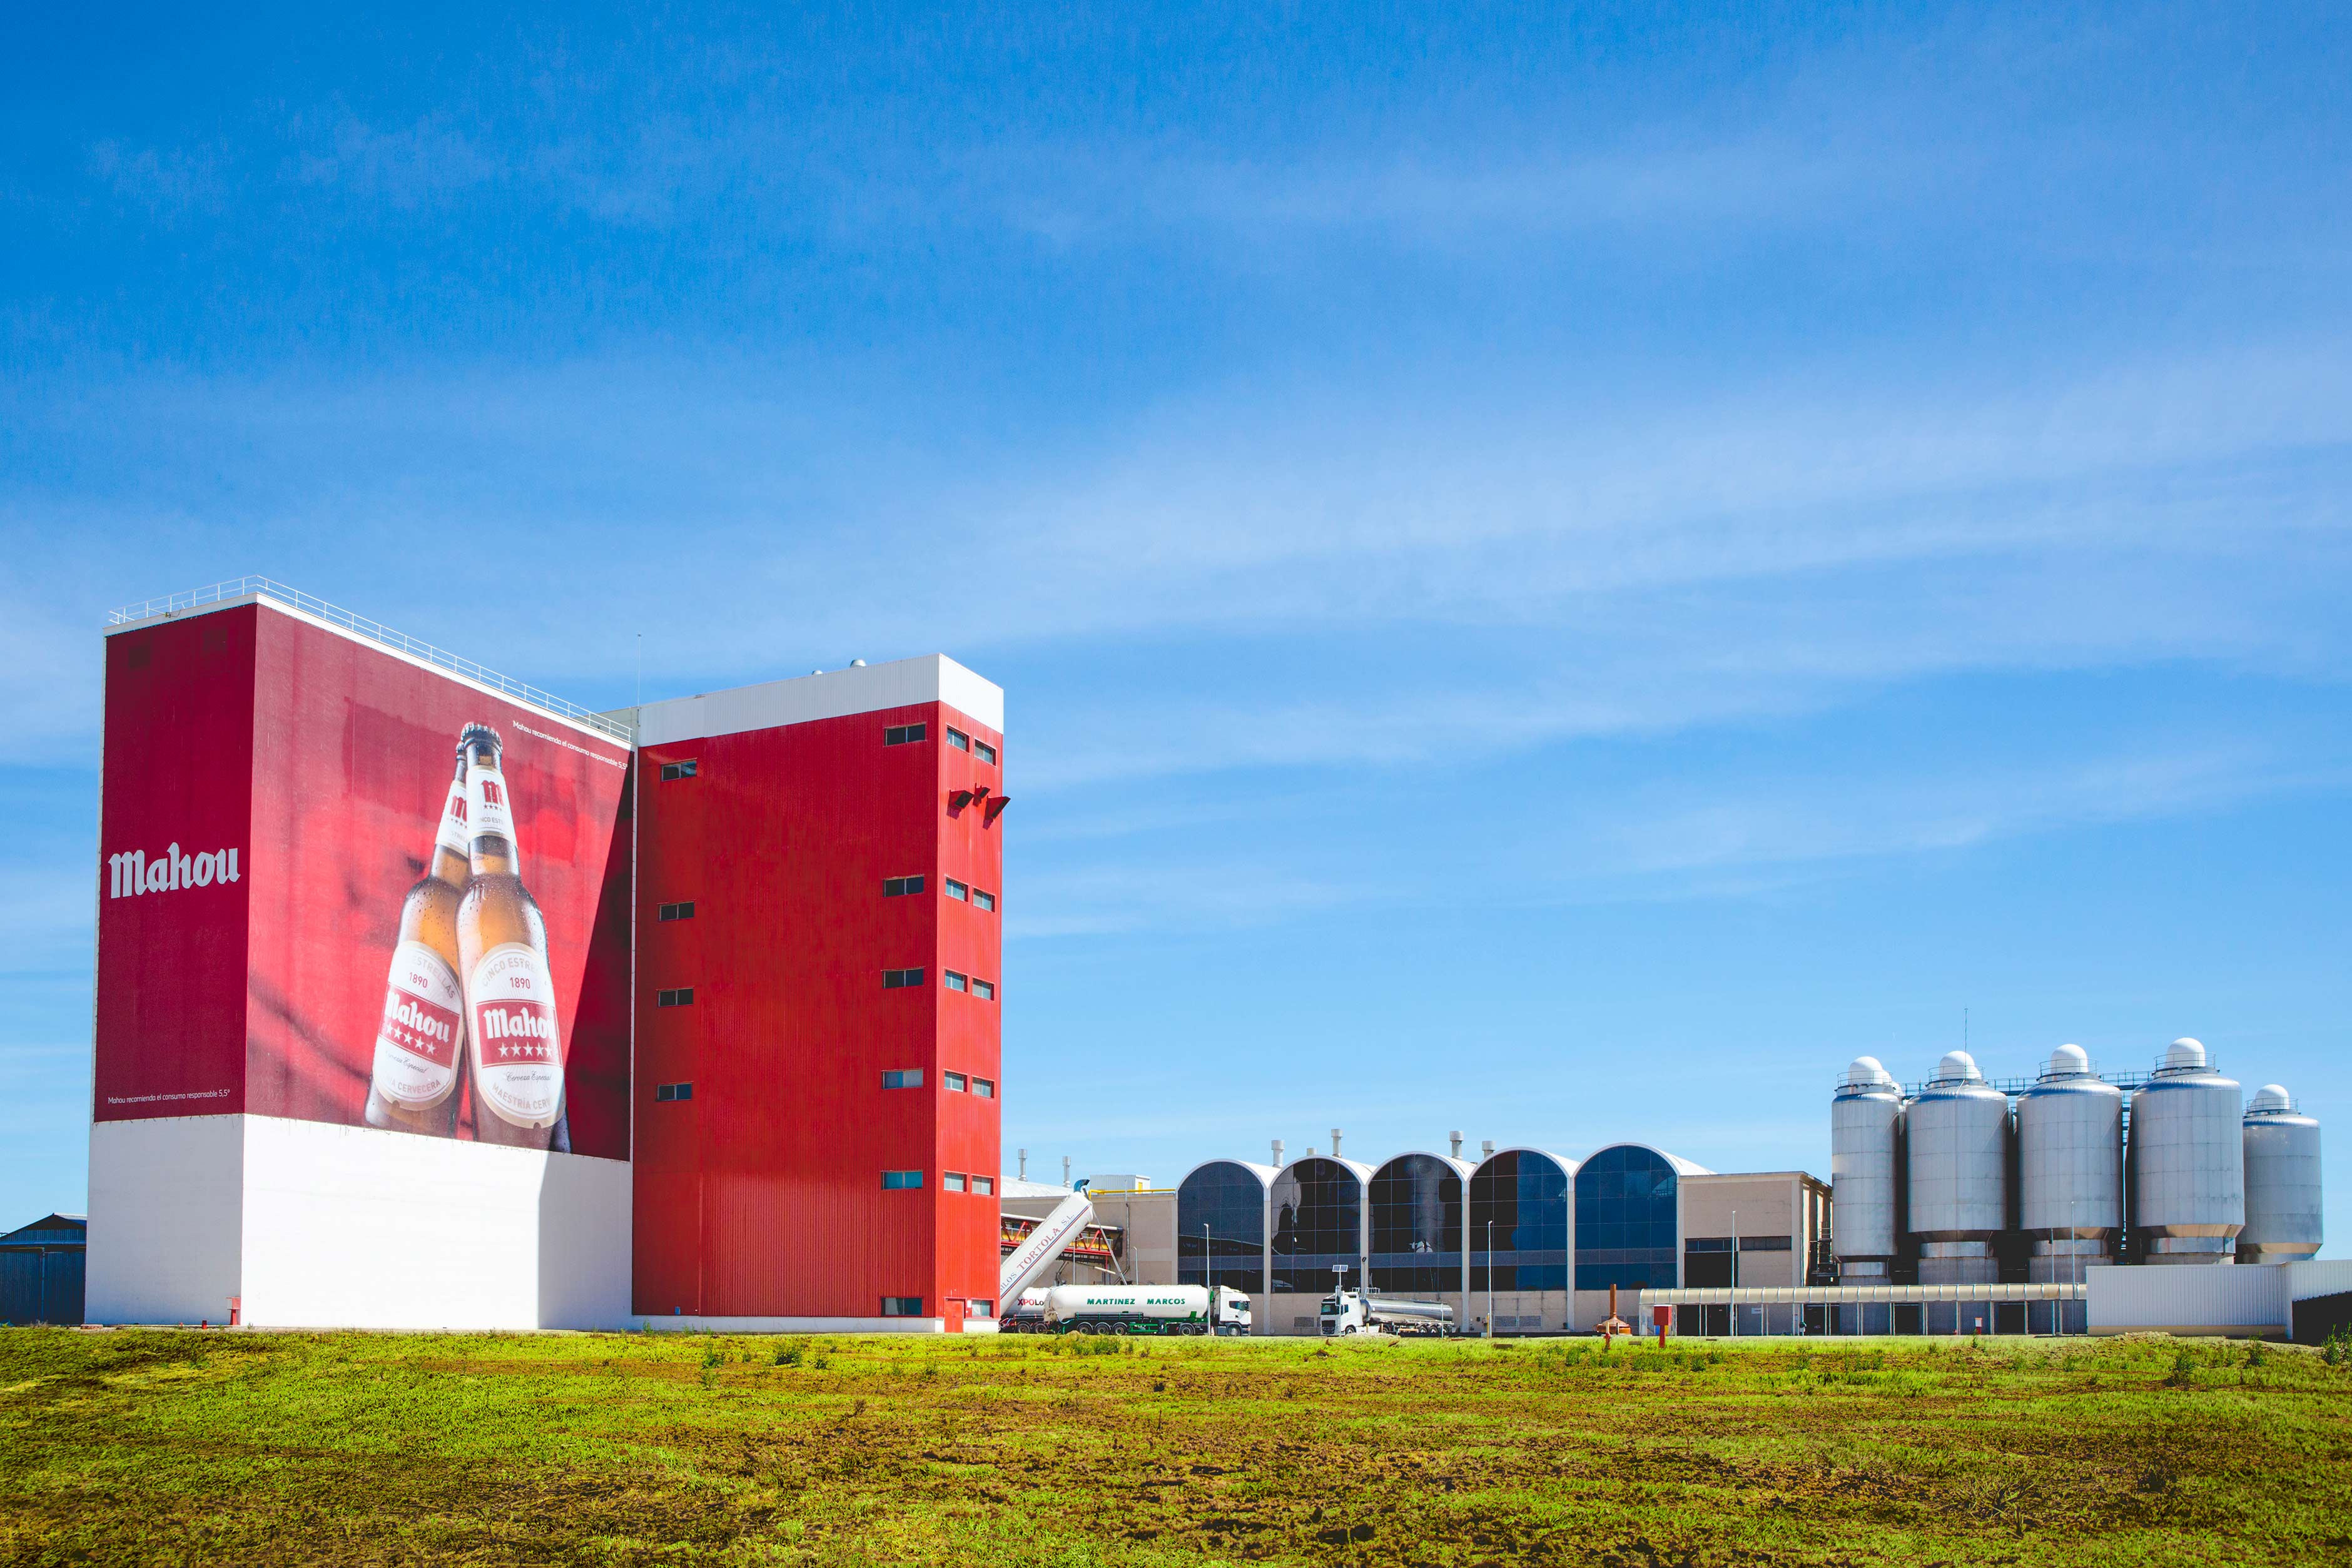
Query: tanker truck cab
{"points": [[1359, 1311], [1231, 1314]]}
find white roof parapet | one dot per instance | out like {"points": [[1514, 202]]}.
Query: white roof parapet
{"points": [[240, 590], [831, 693]]}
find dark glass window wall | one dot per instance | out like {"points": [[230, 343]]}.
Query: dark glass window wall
{"points": [[1221, 1217], [1625, 1203], [1416, 1225], [1520, 1198], [1319, 1217]]}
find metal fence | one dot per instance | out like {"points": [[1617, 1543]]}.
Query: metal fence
{"points": [[375, 631]]}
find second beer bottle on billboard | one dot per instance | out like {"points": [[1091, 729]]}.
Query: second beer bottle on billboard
{"points": [[518, 1041], [419, 1046]]}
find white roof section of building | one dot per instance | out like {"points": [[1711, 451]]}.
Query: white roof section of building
{"points": [[1362, 1172], [1018, 1186], [833, 694], [1454, 1163], [1264, 1173], [1682, 1166]]}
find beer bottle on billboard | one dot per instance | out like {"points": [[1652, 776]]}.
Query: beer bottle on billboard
{"points": [[517, 1042], [419, 1045]]}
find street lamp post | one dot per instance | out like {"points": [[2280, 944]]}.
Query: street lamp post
{"points": [[1735, 1273], [1490, 1278]]}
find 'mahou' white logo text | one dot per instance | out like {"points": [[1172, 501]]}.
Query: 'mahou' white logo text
{"points": [[132, 872]]}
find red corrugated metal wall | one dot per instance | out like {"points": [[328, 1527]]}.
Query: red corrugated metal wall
{"points": [[762, 1195]]}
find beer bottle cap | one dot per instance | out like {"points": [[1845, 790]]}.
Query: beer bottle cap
{"points": [[477, 732]]}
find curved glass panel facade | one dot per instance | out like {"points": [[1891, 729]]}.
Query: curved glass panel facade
{"points": [[1319, 1209], [1625, 1205], [1416, 1225], [1220, 1227], [1520, 1200]]}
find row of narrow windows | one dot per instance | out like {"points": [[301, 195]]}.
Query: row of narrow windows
{"points": [[953, 1181], [892, 980], [954, 979], [956, 1082], [903, 886], [892, 735], [903, 1078], [892, 887]]}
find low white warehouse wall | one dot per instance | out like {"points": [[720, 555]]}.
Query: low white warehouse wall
{"points": [[315, 1226], [2208, 1298]]}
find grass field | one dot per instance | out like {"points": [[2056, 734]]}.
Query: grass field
{"points": [[152, 1446]]}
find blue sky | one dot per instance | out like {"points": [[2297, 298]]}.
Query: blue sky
{"points": [[1558, 573]]}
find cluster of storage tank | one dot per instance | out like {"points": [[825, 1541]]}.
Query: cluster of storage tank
{"points": [[1952, 1178]]}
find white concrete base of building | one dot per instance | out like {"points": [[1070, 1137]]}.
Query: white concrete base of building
{"points": [[309, 1225]]}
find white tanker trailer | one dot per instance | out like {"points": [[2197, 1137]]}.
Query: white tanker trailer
{"points": [[1360, 1311], [1146, 1310]]}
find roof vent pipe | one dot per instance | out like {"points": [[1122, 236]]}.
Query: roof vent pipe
{"points": [[1024, 1163], [1455, 1139], [1278, 1154], [1065, 1170], [1335, 1142], [1487, 1148]]}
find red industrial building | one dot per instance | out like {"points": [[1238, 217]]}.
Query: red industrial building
{"points": [[427, 999], [819, 868]]}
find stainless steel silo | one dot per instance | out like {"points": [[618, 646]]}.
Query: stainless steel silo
{"points": [[2282, 1211], [2070, 1168], [1956, 1136], [1865, 1141], [2187, 1162]]}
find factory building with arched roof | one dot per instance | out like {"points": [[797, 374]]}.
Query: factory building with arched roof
{"points": [[1522, 1239]]}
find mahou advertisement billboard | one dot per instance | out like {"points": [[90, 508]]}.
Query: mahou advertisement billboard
{"points": [[336, 885]]}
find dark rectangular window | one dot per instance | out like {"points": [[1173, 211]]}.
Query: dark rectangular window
{"points": [[1764, 1244], [953, 1181], [902, 1306], [954, 1081], [903, 1078], [674, 1092], [982, 899], [956, 889], [985, 1087], [986, 1187], [901, 887], [955, 982], [679, 911], [902, 734], [899, 979], [901, 1181], [984, 989], [676, 770], [984, 751], [682, 998], [1706, 1244], [958, 738]]}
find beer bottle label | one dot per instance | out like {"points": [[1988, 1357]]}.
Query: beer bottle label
{"points": [[486, 802], [423, 1017], [453, 834], [517, 1046]]}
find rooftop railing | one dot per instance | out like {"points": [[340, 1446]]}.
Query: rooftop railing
{"points": [[374, 632]]}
